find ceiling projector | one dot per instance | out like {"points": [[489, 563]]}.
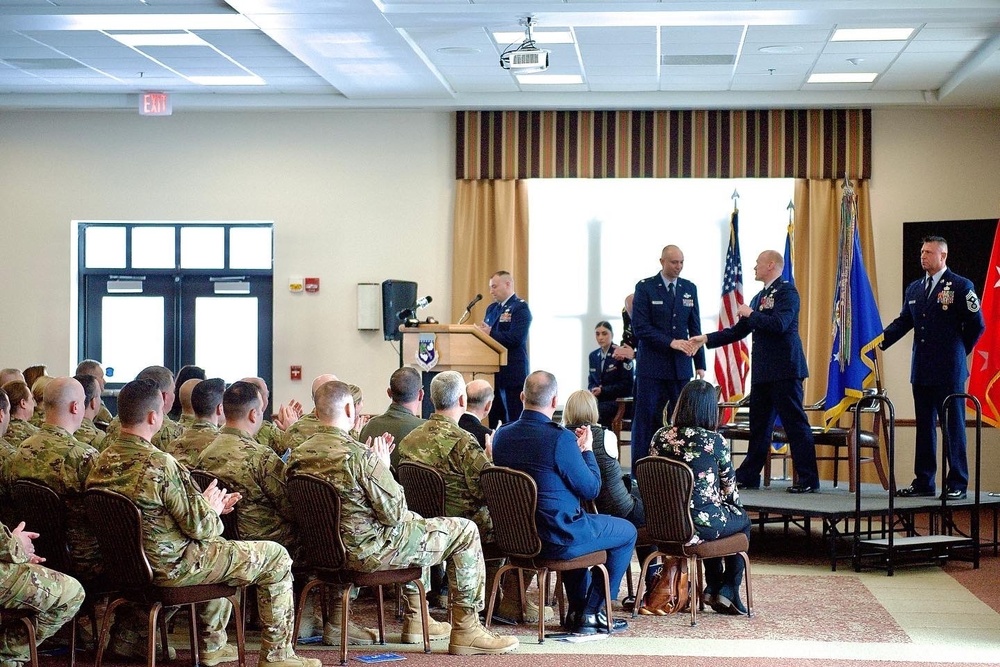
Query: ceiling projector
{"points": [[525, 57]]}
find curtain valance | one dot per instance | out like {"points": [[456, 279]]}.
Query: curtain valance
{"points": [[814, 144]]}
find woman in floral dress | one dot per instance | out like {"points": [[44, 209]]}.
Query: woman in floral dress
{"points": [[715, 504]]}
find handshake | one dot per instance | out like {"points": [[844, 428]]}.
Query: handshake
{"points": [[689, 346]]}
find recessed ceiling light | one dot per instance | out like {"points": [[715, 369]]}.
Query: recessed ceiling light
{"points": [[157, 38], [779, 49], [843, 77], [540, 37], [550, 79], [458, 50], [244, 80], [871, 34]]}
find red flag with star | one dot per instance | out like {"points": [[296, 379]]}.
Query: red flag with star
{"points": [[984, 379]]}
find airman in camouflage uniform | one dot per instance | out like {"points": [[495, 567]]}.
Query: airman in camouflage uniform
{"points": [[6, 451], [88, 433], [308, 424], [55, 597], [59, 461], [182, 532], [442, 444], [379, 530], [206, 402], [244, 465], [270, 433], [22, 407], [170, 430]]}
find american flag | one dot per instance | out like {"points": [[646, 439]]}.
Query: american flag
{"points": [[732, 362]]}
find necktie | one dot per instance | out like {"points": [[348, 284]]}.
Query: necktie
{"points": [[927, 288], [670, 293]]}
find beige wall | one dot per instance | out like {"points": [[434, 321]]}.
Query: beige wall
{"points": [[361, 196], [354, 197]]}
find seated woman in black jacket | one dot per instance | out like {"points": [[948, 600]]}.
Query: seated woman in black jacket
{"points": [[609, 378], [617, 497]]}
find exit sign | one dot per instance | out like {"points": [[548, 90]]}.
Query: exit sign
{"points": [[155, 104]]}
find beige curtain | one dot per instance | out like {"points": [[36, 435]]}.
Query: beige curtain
{"points": [[814, 258], [490, 234]]}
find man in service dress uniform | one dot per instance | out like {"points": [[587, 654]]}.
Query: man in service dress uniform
{"points": [[182, 533], [665, 314], [943, 310], [779, 366], [507, 321], [380, 531]]}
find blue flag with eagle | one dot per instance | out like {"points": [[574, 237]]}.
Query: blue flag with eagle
{"points": [[857, 327]]}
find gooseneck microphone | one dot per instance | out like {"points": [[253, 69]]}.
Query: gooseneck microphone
{"points": [[479, 297]]}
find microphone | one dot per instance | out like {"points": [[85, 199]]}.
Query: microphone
{"points": [[422, 303], [479, 297]]}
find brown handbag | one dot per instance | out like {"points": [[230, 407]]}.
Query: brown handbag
{"points": [[668, 592]]}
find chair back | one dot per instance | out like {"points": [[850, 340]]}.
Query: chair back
{"points": [[666, 486], [118, 524], [43, 512], [230, 521], [512, 498], [317, 513], [423, 487]]}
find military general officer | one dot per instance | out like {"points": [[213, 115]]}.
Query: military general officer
{"points": [[507, 321], [943, 310], [380, 531], [665, 313], [779, 366]]}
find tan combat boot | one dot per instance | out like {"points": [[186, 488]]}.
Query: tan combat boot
{"points": [[291, 661], [468, 637], [510, 604], [356, 634], [413, 625]]}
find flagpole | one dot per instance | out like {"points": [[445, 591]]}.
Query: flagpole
{"points": [[736, 200]]}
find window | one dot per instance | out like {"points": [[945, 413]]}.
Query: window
{"points": [[173, 294], [591, 241]]}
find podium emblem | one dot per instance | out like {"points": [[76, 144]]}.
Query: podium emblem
{"points": [[427, 356]]}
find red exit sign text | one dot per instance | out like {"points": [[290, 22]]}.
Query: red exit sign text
{"points": [[155, 104]]}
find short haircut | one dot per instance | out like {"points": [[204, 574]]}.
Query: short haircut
{"points": [[935, 239], [17, 391], [331, 397], [479, 397], [581, 408], [446, 389], [88, 367], [91, 387], [605, 324], [540, 388], [239, 399], [162, 376], [357, 394], [207, 395], [10, 375], [189, 372], [405, 385], [697, 406], [60, 392], [136, 400], [4, 401], [502, 273]]}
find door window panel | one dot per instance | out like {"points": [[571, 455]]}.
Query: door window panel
{"points": [[226, 336], [250, 248], [132, 335], [105, 247], [153, 248], [203, 248]]}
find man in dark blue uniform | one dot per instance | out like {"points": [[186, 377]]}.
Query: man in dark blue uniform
{"points": [[943, 310], [507, 321], [664, 315], [778, 367], [564, 468]]}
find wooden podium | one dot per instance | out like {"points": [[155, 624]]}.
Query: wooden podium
{"points": [[460, 347]]}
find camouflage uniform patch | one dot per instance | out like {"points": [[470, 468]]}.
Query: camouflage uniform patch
{"points": [[187, 448]]}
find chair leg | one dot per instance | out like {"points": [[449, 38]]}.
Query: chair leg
{"points": [[72, 642], [542, 577], [491, 601], [380, 609], [345, 608], [154, 611], [746, 581], [693, 577], [29, 624], [607, 598], [193, 629], [240, 626], [105, 629], [302, 604], [642, 581], [852, 468], [628, 580]]}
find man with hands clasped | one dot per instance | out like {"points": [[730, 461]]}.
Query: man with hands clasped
{"points": [[779, 366]]}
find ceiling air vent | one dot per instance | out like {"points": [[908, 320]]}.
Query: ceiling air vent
{"points": [[674, 61]]}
